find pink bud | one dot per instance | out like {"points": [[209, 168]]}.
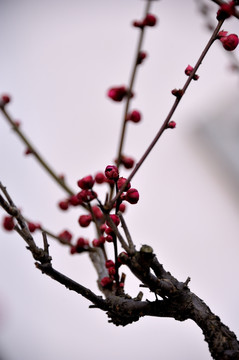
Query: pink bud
{"points": [[86, 196], [188, 72], [109, 263], [97, 212], [8, 223], [117, 93], [111, 271], [5, 99], [132, 196], [229, 42], [109, 238], [128, 162], [115, 220], [122, 207], [112, 172], [86, 182], [32, 226], [134, 116], [106, 282], [100, 178], [74, 201], [171, 125], [142, 55], [226, 10], [85, 220], [65, 235], [121, 182], [150, 20], [63, 205], [177, 92]]}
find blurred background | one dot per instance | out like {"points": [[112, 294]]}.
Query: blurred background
{"points": [[58, 59]]}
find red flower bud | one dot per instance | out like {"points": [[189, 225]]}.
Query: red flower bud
{"points": [[86, 182], [65, 235], [85, 220], [117, 93], [86, 196], [97, 212], [132, 196], [5, 99], [188, 72], [63, 205], [111, 271], [150, 20], [112, 172], [134, 116], [142, 55], [127, 162], [106, 282], [74, 200], [115, 220], [171, 125], [177, 92], [32, 226], [229, 42], [109, 263], [28, 151], [109, 238], [100, 178], [8, 223], [122, 207], [226, 10], [121, 182], [81, 242], [109, 231]]}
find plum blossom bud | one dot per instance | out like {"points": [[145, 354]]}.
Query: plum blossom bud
{"points": [[226, 10], [111, 271], [86, 182], [189, 70], [63, 205], [106, 282], [97, 212], [229, 42], [112, 172], [141, 56], [85, 220], [86, 196], [121, 182], [100, 178], [8, 223], [32, 226], [177, 92], [132, 196], [115, 220], [65, 235], [150, 20], [138, 24], [171, 125], [4, 100], [109, 238], [74, 201], [117, 93], [134, 116], [128, 162], [109, 263]]}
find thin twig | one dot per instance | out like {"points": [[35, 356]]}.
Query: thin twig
{"points": [[127, 233]]}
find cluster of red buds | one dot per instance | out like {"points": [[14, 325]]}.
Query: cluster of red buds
{"points": [[229, 42], [108, 281]]}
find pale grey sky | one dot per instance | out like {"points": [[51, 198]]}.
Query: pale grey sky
{"points": [[58, 59]]}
